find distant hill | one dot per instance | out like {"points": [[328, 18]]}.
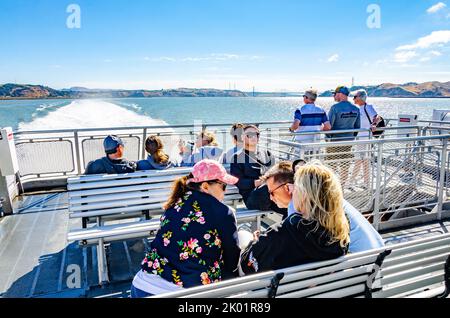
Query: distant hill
{"points": [[19, 91], [12, 91], [412, 90]]}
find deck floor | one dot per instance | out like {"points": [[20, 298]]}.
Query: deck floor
{"points": [[36, 261]]}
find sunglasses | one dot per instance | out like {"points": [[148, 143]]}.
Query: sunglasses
{"points": [[251, 135], [273, 191], [224, 185]]}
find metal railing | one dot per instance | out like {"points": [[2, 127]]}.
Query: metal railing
{"points": [[53, 153], [392, 180], [404, 174]]}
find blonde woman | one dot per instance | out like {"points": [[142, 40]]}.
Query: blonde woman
{"points": [[320, 231], [206, 146]]}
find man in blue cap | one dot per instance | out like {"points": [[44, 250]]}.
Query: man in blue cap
{"points": [[112, 163], [343, 116]]}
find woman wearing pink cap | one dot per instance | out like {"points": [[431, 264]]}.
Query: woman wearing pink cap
{"points": [[197, 242]]}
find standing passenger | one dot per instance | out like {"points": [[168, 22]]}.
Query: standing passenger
{"points": [[309, 118], [369, 118], [343, 116]]}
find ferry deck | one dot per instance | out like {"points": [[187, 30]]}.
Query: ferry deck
{"points": [[404, 193]]}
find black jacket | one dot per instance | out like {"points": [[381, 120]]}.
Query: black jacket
{"points": [[110, 166], [294, 242], [248, 167]]}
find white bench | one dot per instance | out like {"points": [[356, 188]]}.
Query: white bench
{"points": [[104, 197], [100, 235], [351, 275], [417, 269]]}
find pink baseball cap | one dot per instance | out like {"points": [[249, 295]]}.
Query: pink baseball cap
{"points": [[209, 170]]}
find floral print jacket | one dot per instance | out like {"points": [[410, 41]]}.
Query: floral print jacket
{"points": [[196, 244]]}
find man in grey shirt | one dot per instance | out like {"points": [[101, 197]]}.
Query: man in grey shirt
{"points": [[342, 116]]}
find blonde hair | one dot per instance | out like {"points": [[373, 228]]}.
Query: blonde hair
{"points": [[209, 137], [321, 191]]}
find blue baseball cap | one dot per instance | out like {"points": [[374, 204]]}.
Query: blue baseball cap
{"points": [[111, 143], [342, 89]]}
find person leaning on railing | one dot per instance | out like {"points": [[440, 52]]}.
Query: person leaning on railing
{"points": [[157, 159], [320, 231], [197, 243], [309, 118], [343, 116], [206, 146], [113, 162], [369, 118]]}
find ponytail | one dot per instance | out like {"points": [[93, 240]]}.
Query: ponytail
{"points": [[179, 189]]}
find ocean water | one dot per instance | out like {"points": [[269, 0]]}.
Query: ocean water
{"points": [[126, 112]]}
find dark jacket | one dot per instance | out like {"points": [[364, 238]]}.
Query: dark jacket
{"points": [[197, 243], [110, 166], [293, 243], [248, 167], [150, 164]]}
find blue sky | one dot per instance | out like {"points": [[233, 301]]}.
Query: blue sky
{"points": [[274, 45]]}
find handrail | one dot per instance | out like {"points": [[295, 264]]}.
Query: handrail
{"points": [[22, 132], [335, 132], [357, 142]]}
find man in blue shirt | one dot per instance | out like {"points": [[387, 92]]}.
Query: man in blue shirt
{"points": [[309, 118], [343, 116], [280, 182]]}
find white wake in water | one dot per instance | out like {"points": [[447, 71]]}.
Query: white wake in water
{"points": [[90, 114]]}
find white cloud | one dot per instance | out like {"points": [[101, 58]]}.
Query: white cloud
{"points": [[437, 7], [425, 59], [405, 56], [334, 58], [214, 57], [435, 53], [436, 38]]}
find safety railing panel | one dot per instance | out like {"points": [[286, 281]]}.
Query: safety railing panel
{"points": [[86, 145], [93, 148], [385, 179], [39, 157]]}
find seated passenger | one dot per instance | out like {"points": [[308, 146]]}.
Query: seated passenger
{"points": [[197, 243], [113, 162], [157, 159], [207, 147], [248, 166], [236, 133], [319, 232], [280, 180]]}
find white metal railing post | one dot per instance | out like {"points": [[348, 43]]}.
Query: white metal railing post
{"points": [[77, 151], [442, 179], [377, 203], [144, 137]]}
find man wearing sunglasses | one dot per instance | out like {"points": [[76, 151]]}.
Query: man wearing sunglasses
{"points": [[280, 183]]}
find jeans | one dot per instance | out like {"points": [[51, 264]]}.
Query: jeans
{"points": [[137, 293]]}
